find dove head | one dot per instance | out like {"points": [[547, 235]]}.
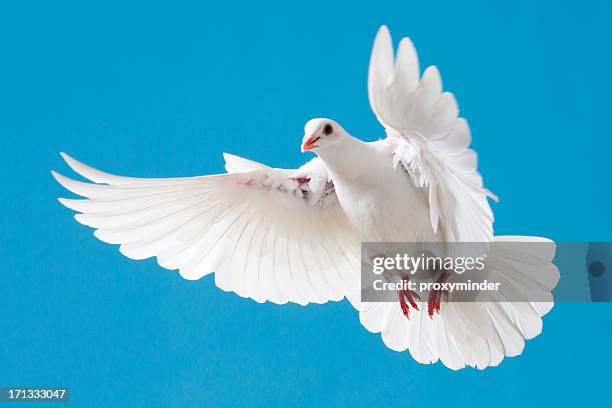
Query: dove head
{"points": [[321, 134]]}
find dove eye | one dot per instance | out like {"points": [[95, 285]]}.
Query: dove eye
{"points": [[328, 129]]}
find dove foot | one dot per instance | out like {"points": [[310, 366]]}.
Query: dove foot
{"points": [[406, 299], [435, 296]]}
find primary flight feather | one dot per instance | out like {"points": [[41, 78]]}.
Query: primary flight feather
{"points": [[294, 235]]}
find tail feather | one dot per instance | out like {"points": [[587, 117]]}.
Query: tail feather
{"points": [[476, 334]]}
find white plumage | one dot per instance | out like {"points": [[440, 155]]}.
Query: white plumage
{"points": [[293, 235]]}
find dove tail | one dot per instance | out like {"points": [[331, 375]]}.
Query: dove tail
{"points": [[476, 334]]}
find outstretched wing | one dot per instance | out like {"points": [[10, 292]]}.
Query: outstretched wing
{"points": [[268, 234], [430, 141]]}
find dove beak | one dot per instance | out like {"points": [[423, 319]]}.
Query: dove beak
{"points": [[309, 144]]}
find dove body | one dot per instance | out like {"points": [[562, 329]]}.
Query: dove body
{"points": [[379, 201]]}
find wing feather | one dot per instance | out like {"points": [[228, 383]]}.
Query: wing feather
{"points": [[430, 140], [268, 234]]}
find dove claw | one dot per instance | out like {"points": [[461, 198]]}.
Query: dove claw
{"points": [[407, 295], [435, 296]]}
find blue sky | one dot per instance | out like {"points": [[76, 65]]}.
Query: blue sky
{"points": [[161, 89]]}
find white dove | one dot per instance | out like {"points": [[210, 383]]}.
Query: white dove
{"points": [[293, 235]]}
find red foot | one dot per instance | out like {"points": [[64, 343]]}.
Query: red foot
{"points": [[302, 180], [404, 295], [433, 303]]}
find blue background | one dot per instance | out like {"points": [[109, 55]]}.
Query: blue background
{"points": [[162, 89]]}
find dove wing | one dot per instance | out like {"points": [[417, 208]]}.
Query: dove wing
{"points": [[268, 234], [429, 140]]}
